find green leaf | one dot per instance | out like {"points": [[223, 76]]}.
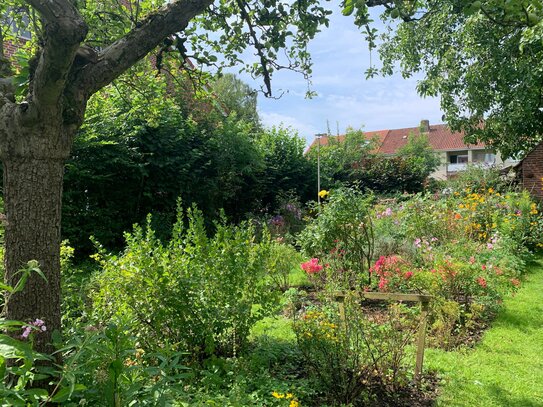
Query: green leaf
{"points": [[116, 367], [38, 393], [348, 8], [11, 348], [65, 393]]}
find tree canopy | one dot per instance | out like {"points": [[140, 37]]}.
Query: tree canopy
{"points": [[482, 58], [76, 48]]}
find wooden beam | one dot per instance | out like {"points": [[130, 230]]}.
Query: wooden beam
{"points": [[424, 303], [389, 296]]}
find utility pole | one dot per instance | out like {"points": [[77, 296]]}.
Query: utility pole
{"points": [[319, 169]]}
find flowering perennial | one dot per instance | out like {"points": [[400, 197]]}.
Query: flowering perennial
{"points": [[312, 266], [27, 329]]}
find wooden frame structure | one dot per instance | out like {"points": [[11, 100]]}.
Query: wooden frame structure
{"points": [[424, 301]]}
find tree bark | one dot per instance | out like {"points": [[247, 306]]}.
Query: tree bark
{"points": [[36, 136], [32, 193]]}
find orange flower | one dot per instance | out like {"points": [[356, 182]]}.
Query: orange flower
{"points": [[457, 216]]}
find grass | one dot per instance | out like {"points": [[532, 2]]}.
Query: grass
{"points": [[506, 367]]}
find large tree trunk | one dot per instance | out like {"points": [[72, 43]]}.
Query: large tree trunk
{"points": [[32, 194]]}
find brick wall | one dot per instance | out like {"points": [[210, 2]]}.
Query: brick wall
{"points": [[532, 172], [9, 49]]}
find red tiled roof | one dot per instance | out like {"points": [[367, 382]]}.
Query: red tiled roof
{"points": [[440, 137], [324, 140]]}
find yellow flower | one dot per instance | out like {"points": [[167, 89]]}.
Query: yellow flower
{"points": [[278, 395], [490, 190], [324, 193], [289, 396], [294, 403]]}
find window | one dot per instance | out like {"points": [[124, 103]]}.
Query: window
{"points": [[490, 158], [20, 28], [458, 159]]}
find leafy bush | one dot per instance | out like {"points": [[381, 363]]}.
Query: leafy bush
{"points": [[282, 259], [198, 294], [113, 371], [479, 179], [351, 358], [343, 230]]}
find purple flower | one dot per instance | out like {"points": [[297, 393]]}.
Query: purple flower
{"points": [[38, 323], [27, 329], [277, 221]]}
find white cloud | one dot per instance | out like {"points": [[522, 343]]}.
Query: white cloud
{"points": [[340, 57], [304, 129]]}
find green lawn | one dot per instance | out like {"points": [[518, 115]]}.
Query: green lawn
{"points": [[506, 368]]}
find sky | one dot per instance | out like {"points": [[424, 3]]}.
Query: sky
{"points": [[344, 97]]}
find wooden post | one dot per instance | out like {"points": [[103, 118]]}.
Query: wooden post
{"points": [[421, 337], [421, 341], [341, 305]]}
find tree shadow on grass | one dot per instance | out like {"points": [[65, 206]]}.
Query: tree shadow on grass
{"points": [[504, 398], [524, 322], [534, 264]]}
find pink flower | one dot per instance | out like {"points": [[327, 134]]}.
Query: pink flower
{"points": [[383, 284], [481, 281], [472, 259], [27, 329], [489, 246], [378, 264], [312, 266], [409, 274], [483, 266]]}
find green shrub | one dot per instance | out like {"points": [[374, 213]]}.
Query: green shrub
{"points": [[342, 230], [480, 179], [351, 358], [198, 294], [282, 259], [113, 371]]}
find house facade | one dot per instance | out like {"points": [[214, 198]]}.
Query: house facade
{"points": [[454, 153]]}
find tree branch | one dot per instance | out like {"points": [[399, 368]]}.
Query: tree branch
{"points": [[258, 46], [125, 52], [375, 3], [64, 30]]}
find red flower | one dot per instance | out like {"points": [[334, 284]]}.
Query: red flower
{"points": [[515, 282], [312, 266], [378, 264], [481, 281], [408, 274]]}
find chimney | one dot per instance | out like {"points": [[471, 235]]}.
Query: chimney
{"points": [[425, 126]]}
